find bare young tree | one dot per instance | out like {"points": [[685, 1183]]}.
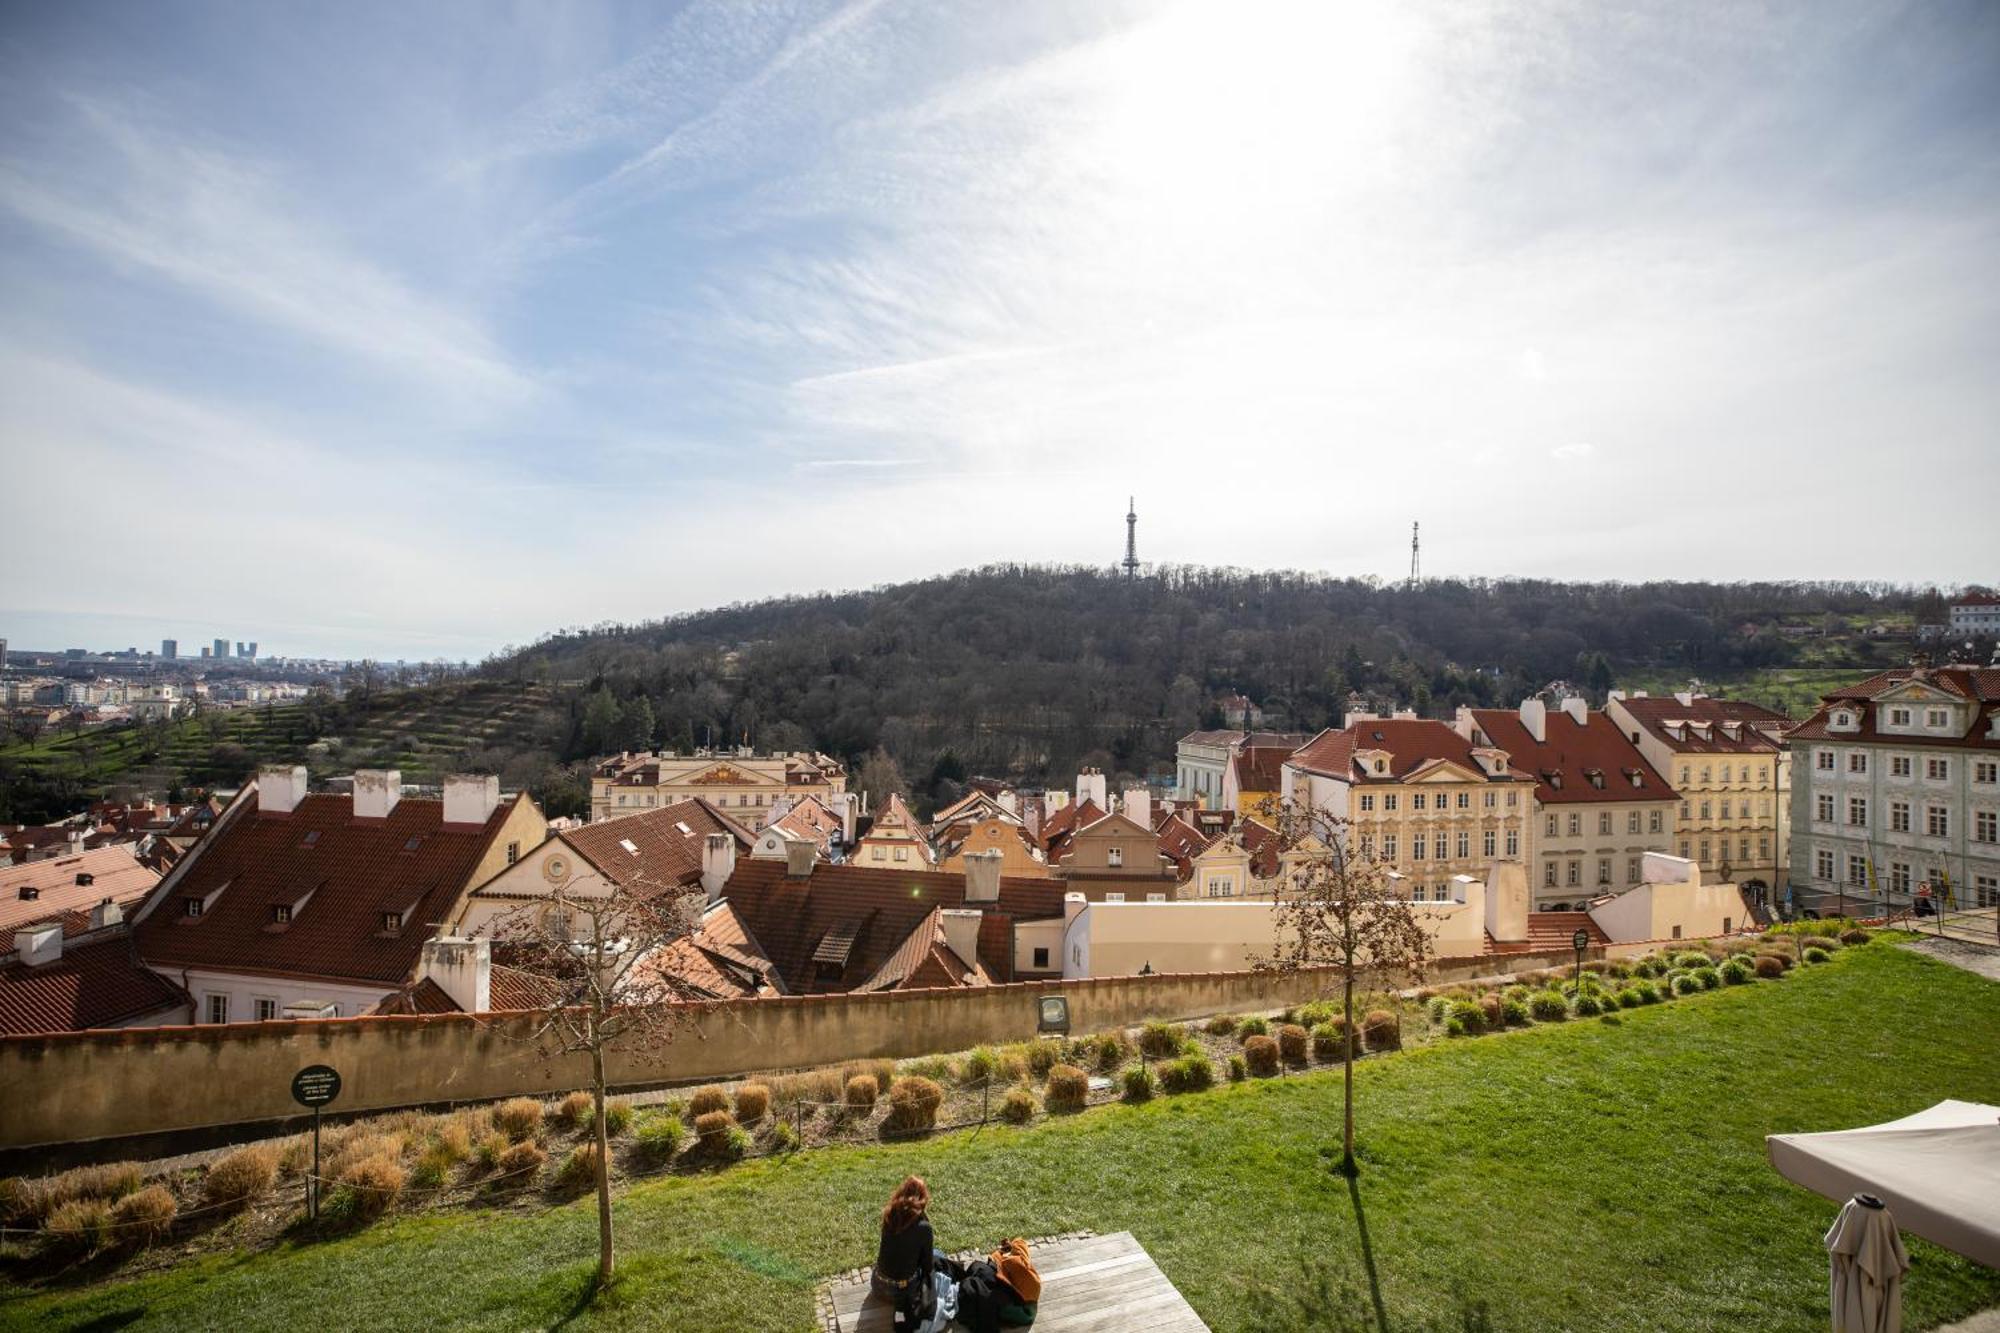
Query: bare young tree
{"points": [[1335, 906], [601, 956]]}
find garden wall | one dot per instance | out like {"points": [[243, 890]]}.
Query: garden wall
{"points": [[81, 1086]]}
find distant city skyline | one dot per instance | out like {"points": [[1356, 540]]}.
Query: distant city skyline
{"points": [[416, 331]]}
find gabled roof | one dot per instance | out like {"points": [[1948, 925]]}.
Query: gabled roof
{"points": [[808, 818], [925, 960], [1180, 841], [1329, 754], [1579, 763], [1057, 828], [51, 890], [411, 862], [661, 848], [1657, 713], [1261, 767], [93, 985], [853, 917], [1980, 685]]}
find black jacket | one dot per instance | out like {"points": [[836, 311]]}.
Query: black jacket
{"points": [[905, 1256]]}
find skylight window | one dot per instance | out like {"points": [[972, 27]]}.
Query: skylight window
{"points": [[311, 839], [631, 849], [686, 832], [414, 843]]}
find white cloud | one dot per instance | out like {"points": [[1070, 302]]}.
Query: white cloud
{"points": [[1570, 452]]}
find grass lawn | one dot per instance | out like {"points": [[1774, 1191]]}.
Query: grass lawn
{"points": [[1594, 1175]]}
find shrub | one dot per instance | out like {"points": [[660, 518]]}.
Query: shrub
{"points": [[1382, 1030], [706, 1100], [143, 1217], [1018, 1106], [1687, 984], [240, 1176], [34, 1199], [1013, 1067], [1239, 1069], [1221, 1025], [433, 1168], [783, 1137], [1707, 976], [518, 1118], [365, 1190], [1329, 1041], [979, 1067], [1253, 1026], [1628, 998], [1855, 936], [861, 1093], [79, 1226], [1547, 1006], [1493, 1009], [519, 1165], [1193, 1072], [1587, 1005], [1736, 972], [1768, 967], [454, 1140], [1784, 960], [913, 1105], [711, 1129], [1160, 1040], [937, 1068], [110, 1182], [1513, 1011], [660, 1136], [574, 1111], [1261, 1053], [1647, 992], [1044, 1056], [1069, 1088], [491, 1148], [1470, 1017], [1108, 1049], [1454, 1026], [1438, 1008], [1691, 958], [578, 1171], [753, 1103], [1140, 1083], [1292, 1040]]}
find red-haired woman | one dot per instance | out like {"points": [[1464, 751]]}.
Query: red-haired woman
{"points": [[907, 1256]]}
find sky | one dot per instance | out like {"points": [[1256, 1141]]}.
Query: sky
{"points": [[420, 330]]}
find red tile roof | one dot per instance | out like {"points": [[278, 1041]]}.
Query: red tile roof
{"points": [[1412, 743], [1978, 684], [412, 862], [1330, 754], [1057, 828], [1654, 712], [1261, 768], [92, 985], [666, 844], [791, 918], [1578, 763], [43, 889]]}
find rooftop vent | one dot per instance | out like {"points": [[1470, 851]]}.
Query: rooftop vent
{"points": [[84, 877]]}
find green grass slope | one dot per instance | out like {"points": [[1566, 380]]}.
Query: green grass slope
{"points": [[1590, 1176]]}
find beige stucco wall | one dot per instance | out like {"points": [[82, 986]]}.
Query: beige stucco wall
{"points": [[77, 1087]]}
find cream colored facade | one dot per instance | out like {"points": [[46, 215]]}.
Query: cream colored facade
{"points": [[1729, 764], [1000, 833], [896, 841], [1446, 820], [744, 784]]}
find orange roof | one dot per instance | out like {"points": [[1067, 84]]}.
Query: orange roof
{"points": [[40, 890], [1579, 763]]}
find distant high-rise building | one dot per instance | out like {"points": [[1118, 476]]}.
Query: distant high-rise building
{"points": [[206, 651], [221, 648], [253, 649], [170, 648], [3, 652]]}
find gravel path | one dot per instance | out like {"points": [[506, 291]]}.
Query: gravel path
{"points": [[1981, 958]]}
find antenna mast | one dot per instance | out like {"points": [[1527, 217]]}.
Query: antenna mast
{"points": [[1413, 552], [1131, 539]]}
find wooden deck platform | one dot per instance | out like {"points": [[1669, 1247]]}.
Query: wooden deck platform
{"points": [[1098, 1284]]}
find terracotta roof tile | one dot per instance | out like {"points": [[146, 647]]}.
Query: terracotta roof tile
{"points": [[93, 985], [665, 845], [1655, 712], [43, 889], [1577, 764]]}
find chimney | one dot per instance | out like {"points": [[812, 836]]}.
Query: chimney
{"points": [[1535, 717], [39, 944], [1073, 905], [75, 841], [280, 788], [1139, 806], [799, 858], [1507, 901], [1578, 709], [376, 791], [106, 913], [1685, 698], [961, 932], [1462, 723], [462, 969], [1090, 787], [982, 876], [718, 863], [1010, 801], [470, 799]]}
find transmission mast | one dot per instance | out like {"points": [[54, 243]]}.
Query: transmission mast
{"points": [[1131, 538], [1413, 552]]}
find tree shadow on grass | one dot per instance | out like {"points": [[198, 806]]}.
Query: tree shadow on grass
{"points": [[1321, 1294]]}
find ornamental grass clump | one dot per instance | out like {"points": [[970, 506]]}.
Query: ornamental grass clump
{"points": [[486, 1153], [979, 1067], [706, 1100], [1160, 1040], [1493, 1009], [711, 1133], [913, 1106], [1769, 966], [1709, 977], [239, 1177], [574, 1111], [1239, 1069], [1221, 1025], [1293, 1042], [519, 1118], [860, 1093], [1018, 1106], [753, 1103], [1109, 1050], [1465, 1019], [1382, 1030], [1818, 956], [79, 1226], [783, 1137], [1329, 1041], [1514, 1011], [1438, 1009], [1687, 983], [1628, 998], [1261, 1054], [659, 1137], [1252, 1026], [1587, 1004], [1068, 1090], [1548, 1006], [143, 1218], [365, 1190], [1193, 1072], [519, 1165], [1139, 1083], [578, 1171], [1647, 992], [1736, 972], [1855, 936]]}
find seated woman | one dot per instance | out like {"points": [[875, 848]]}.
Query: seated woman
{"points": [[907, 1258]]}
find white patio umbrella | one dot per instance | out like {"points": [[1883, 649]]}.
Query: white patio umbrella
{"points": [[1867, 1262]]}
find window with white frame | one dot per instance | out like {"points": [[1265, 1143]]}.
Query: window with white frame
{"points": [[1899, 876], [1937, 770], [1986, 772], [1464, 801], [1823, 807], [1986, 890], [1486, 843], [1655, 823], [1984, 826], [1486, 799], [1822, 760], [1388, 846], [1573, 873], [1464, 843], [1936, 717], [1513, 842], [1857, 811], [1704, 851], [1899, 717], [903, 854], [1389, 800], [1113, 856], [1419, 846], [1575, 825], [1604, 824], [1417, 800], [1823, 863], [1764, 847], [1857, 870], [1222, 886], [1899, 816], [1550, 871], [1686, 849], [1632, 821], [1707, 811], [1899, 765], [1419, 892], [1555, 826], [267, 1009], [217, 1008], [1367, 802], [1603, 870], [1937, 821], [1513, 799], [1632, 869]]}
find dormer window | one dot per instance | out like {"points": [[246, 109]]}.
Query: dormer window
{"points": [[191, 907], [281, 914], [1114, 856], [311, 840], [1937, 717], [1381, 766], [1596, 776], [410, 847], [29, 893], [392, 922]]}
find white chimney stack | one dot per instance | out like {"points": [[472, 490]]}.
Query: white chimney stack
{"points": [[1139, 806], [1010, 801], [280, 788], [1535, 717], [1578, 709], [462, 969], [1685, 698], [1073, 905], [961, 932], [376, 791], [799, 858], [982, 876], [39, 944], [471, 798], [106, 913], [718, 863], [1090, 787]]}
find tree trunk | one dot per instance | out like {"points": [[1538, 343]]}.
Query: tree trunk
{"points": [[1347, 1070], [603, 1156]]}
